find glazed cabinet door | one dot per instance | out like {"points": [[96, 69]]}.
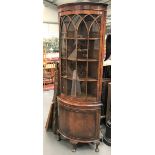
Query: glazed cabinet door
{"points": [[80, 51]]}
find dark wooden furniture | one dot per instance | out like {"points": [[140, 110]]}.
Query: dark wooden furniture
{"points": [[108, 111], [107, 136], [104, 97], [82, 32]]}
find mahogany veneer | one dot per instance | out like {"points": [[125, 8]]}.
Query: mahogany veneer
{"points": [[82, 31]]}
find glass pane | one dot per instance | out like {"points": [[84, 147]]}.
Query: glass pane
{"points": [[89, 19], [82, 49], [91, 90], [63, 50], [66, 20], [71, 66], [94, 46], [63, 30], [76, 20], [95, 29], [93, 70], [71, 31], [76, 88], [82, 67], [83, 89], [82, 30], [94, 15], [63, 68], [64, 86], [71, 49], [69, 87]]}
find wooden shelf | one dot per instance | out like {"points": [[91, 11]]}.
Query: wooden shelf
{"points": [[82, 50], [80, 79], [72, 38], [90, 60]]}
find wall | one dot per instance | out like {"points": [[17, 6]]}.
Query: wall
{"points": [[50, 14]]}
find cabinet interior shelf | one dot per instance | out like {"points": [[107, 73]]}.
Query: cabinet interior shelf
{"points": [[80, 79], [81, 38], [73, 59]]}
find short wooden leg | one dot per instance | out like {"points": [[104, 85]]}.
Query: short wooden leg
{"points": [[74, 145], [97, 149], [59, 137], [74, 148]]}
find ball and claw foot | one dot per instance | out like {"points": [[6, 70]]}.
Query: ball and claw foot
{"points": [[59, 137], [97, 149], [74, 148]]}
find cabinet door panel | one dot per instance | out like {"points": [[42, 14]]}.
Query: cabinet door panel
{"points": [[79, 124]]}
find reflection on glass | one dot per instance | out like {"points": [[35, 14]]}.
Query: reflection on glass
{"points": [[94, 46], [66, 20], [63, 28], [81, 66], [71, 66], [71, 30], [73, 55], [82, 30], [92, 70], [76, 89], [91, 89], [76, 20], [94, 30], [63, 46], [71, 49]]}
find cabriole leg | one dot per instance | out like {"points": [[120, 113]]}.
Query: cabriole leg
{"points": [[97, 149], [74, 145], [59, 137], [74, 148]]}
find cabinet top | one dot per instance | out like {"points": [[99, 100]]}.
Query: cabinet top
{"points": [[82, 6]]}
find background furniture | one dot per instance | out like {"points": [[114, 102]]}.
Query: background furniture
{"points": [[108, 111], [107, 136], [106, 80], [48, 74], [82, 31], [52, 120], [48, 71], [104, 98]]}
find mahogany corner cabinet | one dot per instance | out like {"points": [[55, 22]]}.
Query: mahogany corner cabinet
{"points": [[81, 45]]}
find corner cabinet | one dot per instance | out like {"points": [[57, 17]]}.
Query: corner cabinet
{"points": [[82, 31]]}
